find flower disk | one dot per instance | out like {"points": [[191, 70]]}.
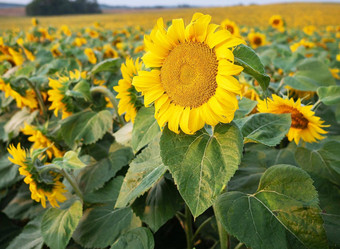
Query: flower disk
{"points": [[191, 80], [305, 125]]}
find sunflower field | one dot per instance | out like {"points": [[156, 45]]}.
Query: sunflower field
{"points": [[192, 134]]}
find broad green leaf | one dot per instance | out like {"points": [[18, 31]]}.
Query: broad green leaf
{"points": [[158, 205], [58, 225], [329, 95], [30, 237], [93, 177], [107, 194], [245, 107], [283, 213], [310, 74], [109, 65], [145, 128], [332, 227], [69, 161], [324, 162], [248, 59], [144, 171], [80, 90], [138, 238], [202, 164], [9, 173], [266, 128], [101, 226], [86, 127]]}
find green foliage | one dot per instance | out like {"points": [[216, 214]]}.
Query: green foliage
{"points": [[138, 238], [108, 65], [9, 173], [69, 161], [329, 95], [202, 164], [283, 213], [58, 225], [245, 107]]}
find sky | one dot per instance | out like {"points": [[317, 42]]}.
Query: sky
{"points": [[190, 2]]}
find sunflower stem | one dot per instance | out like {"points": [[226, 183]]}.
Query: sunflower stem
{"points": [[107, 93], [223, 235], [239, 245], [73, 183], [188, 228], [280, 86], [199, 229], [315, 106]]}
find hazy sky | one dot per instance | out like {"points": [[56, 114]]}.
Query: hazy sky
{"points": [[190, 2]]}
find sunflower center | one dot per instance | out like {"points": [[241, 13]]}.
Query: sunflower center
{"points": [[257, 40], [276, 21], [298, 120], [188, 74], [230, 29]]}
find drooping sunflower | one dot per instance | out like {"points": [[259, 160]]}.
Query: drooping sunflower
{"points": [[231, 27], [40, 141], [305, 125], [57, 95], [257, 39], [40, 190], [127, 94], [191, 80], [276, 21], [28, 100]]}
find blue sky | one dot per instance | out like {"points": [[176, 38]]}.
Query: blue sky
{"points": [[190, 2]]}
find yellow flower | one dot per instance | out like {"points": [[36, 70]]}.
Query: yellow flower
{"points": [[80, 41], [305, 125], [277, 22], [29, 54], [231, 27], [28, 100], [34, 22], [191, 79], [39, 189], [109, 52], [92, 33], [17, 57], [249, 92], [257, 39], [126, 91], [302, 42], [309, 30], [55, 50], [338, 57], [90, 55], [335, 73], [65, 29], [40, 141], [299, 94], [139, 49]]}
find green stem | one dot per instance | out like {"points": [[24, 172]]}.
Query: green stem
{"points": [[199, 229], [188, 228], [224, 237], [280, 86], [316, 104], [239, 245], [107, 93], [73, 183]]}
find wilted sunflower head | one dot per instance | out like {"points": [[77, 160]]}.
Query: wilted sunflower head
{"points": [[305, 125], [191, 74], [257, 39], [231, 27]]}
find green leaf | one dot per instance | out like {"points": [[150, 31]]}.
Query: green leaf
{"points": [[30, 237], [266, 128], [101, 226], [86, 127], [202, 164], [144, 171], [93, 177], [81, 90], [310, 74], [332, 227], [283, 213], [324, 162], [158, 205], [145, 128], [329, 95], [107, 194], [248, 59], [69, 161], [9, 173], [109, 65], [58, 225], [245, 106], [138, 238]]}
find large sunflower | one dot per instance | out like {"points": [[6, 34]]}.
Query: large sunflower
{"points": [[40, 190], [305, 125], [127, 94], [191, 79]]}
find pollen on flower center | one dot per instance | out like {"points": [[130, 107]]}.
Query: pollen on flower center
{"points": [[298, 120], [188, 74]]}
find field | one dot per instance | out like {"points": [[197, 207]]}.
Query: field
{"points": [[318, 14], [214, 128]]}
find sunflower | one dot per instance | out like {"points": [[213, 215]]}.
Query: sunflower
{"points": [[109, 52], [335, 73], [305, 125], [127, 94], [40, 190], [231, 27], [294, 93], [277, 22], [309, 30], [55, 50], [40, 141], [257, 39], [90, 55], [57, 95], [191, 79], [28, 100], [66, 30], [303, 42], [80, 41]]}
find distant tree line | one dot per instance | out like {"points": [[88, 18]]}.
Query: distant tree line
{"points": [[61, 7]]}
